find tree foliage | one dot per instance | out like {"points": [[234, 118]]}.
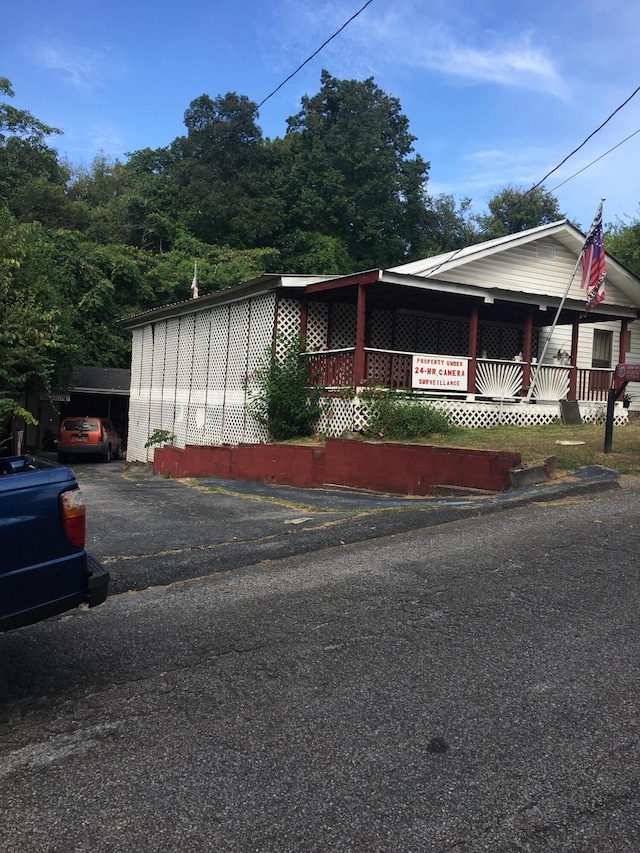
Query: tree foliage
{"points": [[515, 209], [352, 176], [35, 340], [622, 240]]}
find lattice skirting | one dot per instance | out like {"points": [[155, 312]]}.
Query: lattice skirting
{"points": [[353, 414]]}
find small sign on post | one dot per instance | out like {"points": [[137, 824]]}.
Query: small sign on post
{"points": [[622, 375], [627, 373]]}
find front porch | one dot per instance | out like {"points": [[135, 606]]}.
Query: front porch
{"points": [[493, 392], [469, 378], [483, 357]]}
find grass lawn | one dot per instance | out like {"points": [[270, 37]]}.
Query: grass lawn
{"points": [[536, 443]]}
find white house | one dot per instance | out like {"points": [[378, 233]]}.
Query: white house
{"points": [[465, 329]]}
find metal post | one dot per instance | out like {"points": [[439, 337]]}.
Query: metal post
{"points": [[612, 396]]}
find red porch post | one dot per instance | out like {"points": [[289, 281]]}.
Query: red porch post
{"points": [[358, 356], [624, 341], [473, 348], [573, 373], [304, 315], [526, 350]]}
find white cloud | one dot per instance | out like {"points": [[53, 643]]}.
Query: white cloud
{"points": [[516, 66], [83, 67], [405, 36]]}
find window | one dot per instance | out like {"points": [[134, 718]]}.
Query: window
{"points": [[602, 348]]}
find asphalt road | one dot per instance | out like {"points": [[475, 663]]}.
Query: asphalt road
{"points": [[313, 678]]}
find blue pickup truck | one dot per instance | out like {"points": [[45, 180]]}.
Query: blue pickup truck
{"points": [[44, 569]]}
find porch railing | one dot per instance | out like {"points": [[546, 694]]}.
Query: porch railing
{"points": [[331, 368], [495, 378]]}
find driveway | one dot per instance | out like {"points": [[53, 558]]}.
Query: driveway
{"points": [[151, 531]]}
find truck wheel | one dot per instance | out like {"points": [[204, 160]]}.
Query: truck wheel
{"points": [[107, 455]]}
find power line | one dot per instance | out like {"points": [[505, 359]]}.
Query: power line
{"points": [[255, 109], [584, 168], [555, 169], [582, 144], [313, 55]]}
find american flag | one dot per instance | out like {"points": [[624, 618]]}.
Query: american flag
{"points": [[593, 265]]}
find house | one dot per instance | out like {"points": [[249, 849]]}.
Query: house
{"points": [[469, 330]]}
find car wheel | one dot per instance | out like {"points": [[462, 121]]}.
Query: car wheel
{"points": [[107, 455]]}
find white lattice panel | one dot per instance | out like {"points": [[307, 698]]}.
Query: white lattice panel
{"points": [[183, 378], [217, 372], [197, 398], [138, 406], [354, 414], [260, 342], [233, 427], [156, 380], [141, 428], [170, 376], [289, 317], [136, 359], [343, 326], [336, 417], [317, 326]]}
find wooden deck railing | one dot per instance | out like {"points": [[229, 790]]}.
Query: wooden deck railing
{"points": [[331, 368], [593, 384], [494, 377]]}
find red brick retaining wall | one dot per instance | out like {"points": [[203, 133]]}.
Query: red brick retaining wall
{"points": [[408, 469]]}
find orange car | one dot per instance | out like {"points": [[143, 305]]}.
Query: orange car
{"points": [[88, 436]]}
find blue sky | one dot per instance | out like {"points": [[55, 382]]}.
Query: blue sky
{"points": [[496, 92]]}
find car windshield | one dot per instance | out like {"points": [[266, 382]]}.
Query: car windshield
{"points": [[83, 426]]}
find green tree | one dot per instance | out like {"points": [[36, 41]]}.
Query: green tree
{"points": [[29, 168], [352, 176], [622, 240], [221, 173], [36, 344], [515, 209], [448, 225]]}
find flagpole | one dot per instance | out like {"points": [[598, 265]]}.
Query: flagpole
{"points": [[552, 329], [557, 317], [194, 283]]}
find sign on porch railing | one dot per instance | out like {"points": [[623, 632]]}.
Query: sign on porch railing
{"points": [[439, 373]]}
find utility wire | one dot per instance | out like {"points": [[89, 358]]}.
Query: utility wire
{"points": [[582, 144], [313, 55], [255, 109], [453, 254], [584, 168]]}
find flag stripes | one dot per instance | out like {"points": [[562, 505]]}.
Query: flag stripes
{"points": [[593, 262]]}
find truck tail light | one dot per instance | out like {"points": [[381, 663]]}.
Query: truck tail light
{"points": [[72, 511]]}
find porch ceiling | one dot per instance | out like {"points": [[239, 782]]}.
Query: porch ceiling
{"points": [[397, 297]]}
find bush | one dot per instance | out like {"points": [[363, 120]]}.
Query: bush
{"points": [[160, 436], [402, 420], [283, 401]]}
